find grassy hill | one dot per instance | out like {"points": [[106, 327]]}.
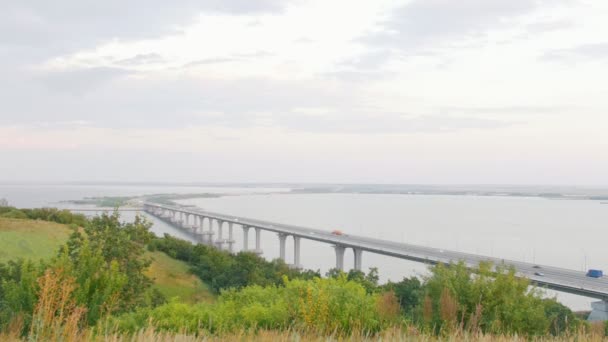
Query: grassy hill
{"points": [[36, 240]]}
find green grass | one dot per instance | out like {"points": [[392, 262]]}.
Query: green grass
{"points": [[30, 239], [173, 279], [37, 240]]}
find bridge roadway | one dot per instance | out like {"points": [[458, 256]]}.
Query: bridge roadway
{"points": [[555, 278]]}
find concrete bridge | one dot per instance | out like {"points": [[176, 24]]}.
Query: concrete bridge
{"points": [[193, 219]]}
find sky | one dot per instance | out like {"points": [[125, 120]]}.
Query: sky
{"points": [[403, 91]]}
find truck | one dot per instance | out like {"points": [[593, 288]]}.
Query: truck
{"points": [[595, 273]]}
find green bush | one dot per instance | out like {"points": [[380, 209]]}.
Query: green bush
{"points": [[15, 214], [490, 299], [325, 306]]}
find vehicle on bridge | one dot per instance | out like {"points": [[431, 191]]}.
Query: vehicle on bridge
{"points": [[337, 232], [595, 273]]}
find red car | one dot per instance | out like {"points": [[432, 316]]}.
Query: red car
{"points": [[337, 232]]}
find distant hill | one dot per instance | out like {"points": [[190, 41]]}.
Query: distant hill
{"points": [[37, 240]]}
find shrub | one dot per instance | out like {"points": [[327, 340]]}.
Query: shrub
{"points": [[15, 214], [324, 306]]}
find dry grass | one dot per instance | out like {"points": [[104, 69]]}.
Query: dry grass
{"points": [[395, 334]]}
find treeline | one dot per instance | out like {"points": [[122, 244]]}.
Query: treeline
{"points": [[45, 214], [223, 270]]}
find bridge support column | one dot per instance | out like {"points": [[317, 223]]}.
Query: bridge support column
{"points": [[230, 238], [599, 312], [358, 258], [339, 257], [197, 228], [258, 237], [245, 238], [282, 239], [207, 235], [296, 252], [220, 240]]}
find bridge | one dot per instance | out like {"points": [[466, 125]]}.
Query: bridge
{"points": [[193, 220]]}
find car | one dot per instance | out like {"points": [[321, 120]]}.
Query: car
{"points": [[536, 266], [594, 273], [337, 232], [540, 274]]}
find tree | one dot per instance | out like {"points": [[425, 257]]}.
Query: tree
{"points": [[116, 247], [409, 293], [489, 298], [3, 202]]}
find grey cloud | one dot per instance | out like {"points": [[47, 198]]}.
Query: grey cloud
{"points": [[41, 29], [424, 22], [586, 51], [122, 101], [80, 81]]}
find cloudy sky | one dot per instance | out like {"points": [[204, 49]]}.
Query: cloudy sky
{"points": [[418, 91]]}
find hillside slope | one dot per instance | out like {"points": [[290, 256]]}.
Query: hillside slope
{"points": [[30, 239]]}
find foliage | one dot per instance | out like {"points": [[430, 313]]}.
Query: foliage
{"points": [[490, 299], [103, 265], [325, 306], [118, 248], [45, 214], [15, 214], [222, 270], [18, 290], [369, 281], [57, 317], [409, 293]]}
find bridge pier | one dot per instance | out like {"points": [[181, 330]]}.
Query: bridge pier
{"points": [[282, 239], [258, 236], [200, 230], [207, 235], [245, 238], [230, 238], [358, 258], [599, 312], [296, 252], [339, 257], [220, 240]]}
